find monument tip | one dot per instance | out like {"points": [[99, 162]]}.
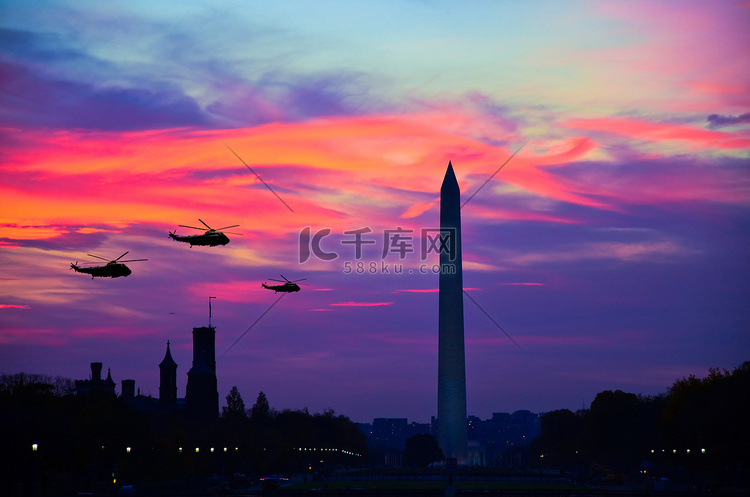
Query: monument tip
{"points": [[449, 181]]}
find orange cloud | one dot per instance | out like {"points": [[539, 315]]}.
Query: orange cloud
{"points": [[16, 232], [332, 172]]}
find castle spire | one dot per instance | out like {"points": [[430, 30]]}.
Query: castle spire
{"points": [[168, 361], [168, 381]]}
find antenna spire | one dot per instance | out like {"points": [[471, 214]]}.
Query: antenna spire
{"points": [[209, 311]]}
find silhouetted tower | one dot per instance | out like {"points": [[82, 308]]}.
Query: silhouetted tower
{"points": [[128, 390], [452, 431], [201, 395], [96, 371], [168, 381], [96, 384]]}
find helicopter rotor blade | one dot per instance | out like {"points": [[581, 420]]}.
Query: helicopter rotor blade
{"points": [[123, 255], [284, 277], [135, 260], [207, 226], [301, 279], [233, 233], [192, 227], [225, 227], [102, 258], [280, 281]]}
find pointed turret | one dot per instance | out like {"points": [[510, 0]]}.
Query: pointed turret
{"points": [[168, 362], [108, 385], [168, 381]]}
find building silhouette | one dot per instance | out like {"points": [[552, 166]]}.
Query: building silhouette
{"points": [[201, 402], [95, 384], [499, 441], [168, 381], [202, 395]]}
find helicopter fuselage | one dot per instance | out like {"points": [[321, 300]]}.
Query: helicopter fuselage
{"points": [[109, 270], [207, 239], [286, 287]]}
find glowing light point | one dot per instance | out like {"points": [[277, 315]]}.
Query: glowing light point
{"points": [[34, 447]]}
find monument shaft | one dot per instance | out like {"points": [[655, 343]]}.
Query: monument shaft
{"points": [[451, 357]]}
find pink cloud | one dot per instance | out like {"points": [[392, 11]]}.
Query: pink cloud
{"points": [[669, 52], [696, 138], [13, 306], [418, 209], [361, 304], [34, 337], [522, 284]]}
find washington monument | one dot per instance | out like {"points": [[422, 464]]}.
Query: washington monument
{"points": [[451, 357]]}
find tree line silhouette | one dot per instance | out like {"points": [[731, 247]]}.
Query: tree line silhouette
{"points": [[697, 432], [57, 442]]}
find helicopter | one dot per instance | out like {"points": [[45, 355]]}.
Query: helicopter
{"points": [[112, 269], [211, 238], [286, 286]]}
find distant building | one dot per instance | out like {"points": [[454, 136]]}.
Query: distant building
{"points": [[201, 402], [95, 384], [491, 442], [390, 432], [202, 395], [168, 381]]}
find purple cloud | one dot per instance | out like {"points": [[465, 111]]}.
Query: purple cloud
{"points": [[31, 99], [719, 121]]}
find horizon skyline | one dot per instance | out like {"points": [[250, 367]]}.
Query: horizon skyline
{"points": [[611, 252], [249, 402]]}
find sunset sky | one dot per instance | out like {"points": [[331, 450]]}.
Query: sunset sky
{"points": [[614, 248]]}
